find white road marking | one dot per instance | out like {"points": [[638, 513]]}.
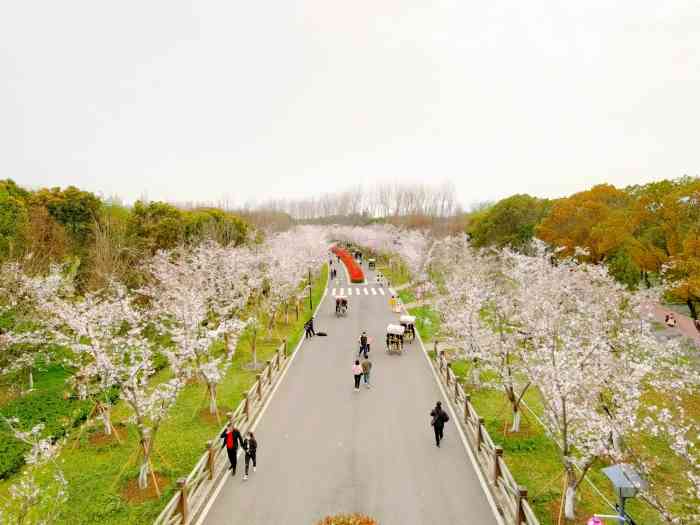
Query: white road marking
{"points": [[333, 292], [381, 291], [366, 291], [358, 291], [374, 291]]}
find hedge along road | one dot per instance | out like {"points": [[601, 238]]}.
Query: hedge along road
{"points": [[325, 449]]}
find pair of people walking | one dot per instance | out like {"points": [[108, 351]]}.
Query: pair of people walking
{"points": [[231, 440], [361, 370]]}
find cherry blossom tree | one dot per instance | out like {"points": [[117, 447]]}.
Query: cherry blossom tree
{"points": [[589, 350], [31, 502], [106, 332], [27, 339], [195, 297], [478, 307]]}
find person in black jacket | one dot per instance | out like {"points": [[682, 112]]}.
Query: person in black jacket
{"points": [[440, 417], [250, 445], [231, 439]]}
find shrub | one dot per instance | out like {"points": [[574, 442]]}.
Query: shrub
{"points": [[347, 519], [44, 405]]}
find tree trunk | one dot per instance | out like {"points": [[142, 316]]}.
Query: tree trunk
{"points": [[254, 348], [516, 419], [31, 379], [691, 307], [271, 324], [570, 494], [476, 379], [212, 399], [107, 423], [145, 468]]}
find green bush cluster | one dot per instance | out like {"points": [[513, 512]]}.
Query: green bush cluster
{"points": [[46, 405], [101, 237]]}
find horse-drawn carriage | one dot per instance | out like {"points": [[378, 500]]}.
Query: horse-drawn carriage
{"points": [[394, 338], [409, 324], [372, 264], [341, 305]]}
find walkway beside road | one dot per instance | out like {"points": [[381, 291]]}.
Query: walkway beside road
{"points": [[684, 327], [326, 449]]}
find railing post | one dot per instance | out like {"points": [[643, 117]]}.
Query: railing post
{"points": [[479, 434], [210, 459], [497, 455], [286, 347], [456, 391], [269, 371], [259, 385], [183, 504], [247, 406], [447, 374], [467, 397], [279, 358], [522, 497]]}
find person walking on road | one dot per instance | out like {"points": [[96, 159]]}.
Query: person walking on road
{"points": [[366, 368], [440, 417], [364, 344], [231, 439], [357, 374], [250, 445]]}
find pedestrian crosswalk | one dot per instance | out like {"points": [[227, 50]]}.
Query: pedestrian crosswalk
{"points": [[357, 290]]}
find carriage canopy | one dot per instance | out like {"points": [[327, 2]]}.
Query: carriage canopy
{"points": [[395, 329]]}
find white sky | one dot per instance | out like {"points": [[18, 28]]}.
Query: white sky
{"points": [[197, 100]]}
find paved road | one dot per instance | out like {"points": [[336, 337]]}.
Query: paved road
{"points": [[326, 449], [684, 327]]}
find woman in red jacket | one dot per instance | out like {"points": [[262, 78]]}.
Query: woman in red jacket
{"points": [[231, 439]]}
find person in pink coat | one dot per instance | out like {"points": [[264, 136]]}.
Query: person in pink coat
{"points": [[357, 373]]}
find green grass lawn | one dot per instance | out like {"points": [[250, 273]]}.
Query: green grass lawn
{"points": [[427, 322], [407, 296], [98, 471]]}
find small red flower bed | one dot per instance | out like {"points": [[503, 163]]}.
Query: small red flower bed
{"points": [[356, 273]]}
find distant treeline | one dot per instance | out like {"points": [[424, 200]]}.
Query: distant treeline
{"points": [[641, 233], [382, 200], [105, 239]]}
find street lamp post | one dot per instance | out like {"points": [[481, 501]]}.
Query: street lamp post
{"points": [[311, 303]]}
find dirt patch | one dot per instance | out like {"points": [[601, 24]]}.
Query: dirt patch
{"points": [[554, 513], [210, 419], [134, 495], [527, 429], [100, 439]]}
